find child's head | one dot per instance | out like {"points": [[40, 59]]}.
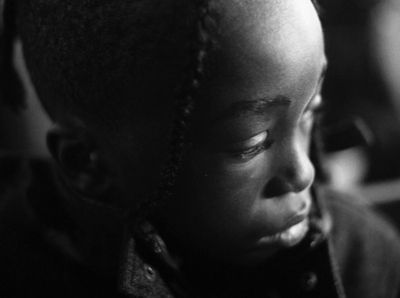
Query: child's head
{"points": [[248, 174], [108, 72]]}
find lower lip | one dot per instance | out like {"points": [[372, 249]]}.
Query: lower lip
{"points": [[287, 238]]}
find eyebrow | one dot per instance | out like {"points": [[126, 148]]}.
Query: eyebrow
{"points": [[256, 107], [261, 105]]}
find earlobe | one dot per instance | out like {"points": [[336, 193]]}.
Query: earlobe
{"points": [[79, 162]]}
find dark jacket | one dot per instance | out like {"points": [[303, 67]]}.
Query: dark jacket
{"points": [[349, 252]]}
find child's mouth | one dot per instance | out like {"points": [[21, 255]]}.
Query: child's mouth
{"points": [[294, 234], [289, 237]]}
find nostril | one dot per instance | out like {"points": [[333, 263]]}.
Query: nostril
{"points": [[296, 177], [275, 188]]}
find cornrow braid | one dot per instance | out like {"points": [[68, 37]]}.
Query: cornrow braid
{"points": [[184, 106], [11, 90]]}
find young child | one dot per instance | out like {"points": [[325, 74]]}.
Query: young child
{"points": [[185, 158]]}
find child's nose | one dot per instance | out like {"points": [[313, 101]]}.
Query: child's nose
{"points": [[294, 172]]}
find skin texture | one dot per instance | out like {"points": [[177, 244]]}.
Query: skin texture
{"points": [[248, 173]]}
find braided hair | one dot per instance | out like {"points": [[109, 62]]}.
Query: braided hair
{"points": [[11, 90], [185, 103], [65, 67]]}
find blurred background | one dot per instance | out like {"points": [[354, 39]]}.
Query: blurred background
{"points": [[362, 96], [362, 87]]}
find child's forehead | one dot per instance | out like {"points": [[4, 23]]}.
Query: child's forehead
{"points": [[261, 53], [274, 18], [269, 30]]}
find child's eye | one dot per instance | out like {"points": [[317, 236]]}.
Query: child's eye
{"points": [[251, 147]]}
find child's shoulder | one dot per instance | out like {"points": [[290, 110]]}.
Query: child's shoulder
{"points": [[366, 246]]}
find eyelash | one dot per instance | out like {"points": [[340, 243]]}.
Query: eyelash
{"points": [[251, 152], [255, 150]]}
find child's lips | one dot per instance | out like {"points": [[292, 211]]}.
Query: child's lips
{"points": [[294, 234], [267, 246], [289, 237]]}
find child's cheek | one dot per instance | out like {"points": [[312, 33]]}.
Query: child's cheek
{"points": [[239, 177]]}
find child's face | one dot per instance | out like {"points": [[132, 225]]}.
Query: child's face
{"points": [[244, 193]]}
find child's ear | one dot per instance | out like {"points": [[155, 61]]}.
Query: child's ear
{"points": [[79, 162]]}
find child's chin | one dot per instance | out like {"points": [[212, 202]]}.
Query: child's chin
{"points": [[268, 246]]}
